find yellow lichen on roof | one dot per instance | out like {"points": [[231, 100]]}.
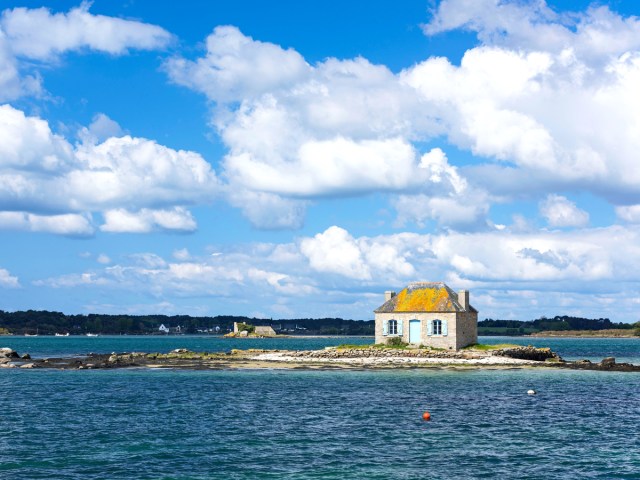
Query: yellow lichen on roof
{"points": [[424, 300]]}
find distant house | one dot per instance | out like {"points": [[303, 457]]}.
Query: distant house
{"points": [[265, 331], [428, 313], [163, 329]]}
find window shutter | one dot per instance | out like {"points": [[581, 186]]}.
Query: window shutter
{"points": [[430, 327], [444, 328], [385, 327], [400, 323]]}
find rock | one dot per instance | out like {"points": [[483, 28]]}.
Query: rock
{"points": [[528, 353], [4, 360], [26, 356], [609, 361], [179, 350], [28, 365], [8, 352]]}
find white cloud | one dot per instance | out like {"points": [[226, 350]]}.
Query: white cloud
{"points": [[341, 127], [236, 67], [39, 34], [7, 280], [538, 105], [561, 212], [335, 251], [182, 254], [101, 128], [139, 184], [145, 221], [103, 259], [65, 224], [629, 213], [595, 34]]}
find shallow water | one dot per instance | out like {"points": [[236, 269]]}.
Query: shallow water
{"points": [[153, 424]]}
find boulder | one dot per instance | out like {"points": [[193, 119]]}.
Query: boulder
{"points": [[8, 352], [26, 356], [28, 365], [607, 362]]}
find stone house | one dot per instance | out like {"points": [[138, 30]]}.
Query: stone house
{"points": [[430, 314]]}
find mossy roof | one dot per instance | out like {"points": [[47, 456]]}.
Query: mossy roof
{"points": [[424, 297]]}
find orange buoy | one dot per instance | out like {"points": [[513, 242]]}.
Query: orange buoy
{"points": [[426, 416]]}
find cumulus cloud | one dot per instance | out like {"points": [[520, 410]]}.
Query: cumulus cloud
{"points": [[629, 213], [561, 212], [596, 33], [7, 280], [71, 224], [236, 67], [551, 94], [139, 184], [335, 251], [145, 221], [297, 132], [546, 102], [39, 34]]}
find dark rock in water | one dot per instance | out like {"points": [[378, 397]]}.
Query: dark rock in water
{"points": [[529, 353], [26, 356], [584, 361], [608, 361]]}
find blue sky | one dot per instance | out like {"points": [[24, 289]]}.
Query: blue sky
{"points": [[296, 159]]}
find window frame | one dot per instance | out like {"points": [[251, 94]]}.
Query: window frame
{"points": [[392, 327]]}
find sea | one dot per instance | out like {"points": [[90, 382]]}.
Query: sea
{"points": [[310, 424]]}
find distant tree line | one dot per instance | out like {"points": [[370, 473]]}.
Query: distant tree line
{"points": [[49, 323], [490, 326]]}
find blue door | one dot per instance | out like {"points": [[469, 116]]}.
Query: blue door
{"points": [[414, 331]]}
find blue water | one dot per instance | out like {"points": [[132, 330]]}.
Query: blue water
{"points": [[297, 424]]}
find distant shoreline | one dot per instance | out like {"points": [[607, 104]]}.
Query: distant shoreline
{"points": [[611, 333]]}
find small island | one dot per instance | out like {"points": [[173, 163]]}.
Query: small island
{"points": [[347, 357]]}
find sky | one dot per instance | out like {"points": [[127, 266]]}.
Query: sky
{"points": [[295, 159]]}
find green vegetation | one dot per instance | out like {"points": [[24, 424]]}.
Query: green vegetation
{"points": [[557, 323], [48, 323], [396, 342], [245, 327]]}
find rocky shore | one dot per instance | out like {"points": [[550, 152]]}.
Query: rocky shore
{"points": [[329, 358]]}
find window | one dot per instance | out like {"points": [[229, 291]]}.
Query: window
{"points": [[393, 327], [437, 327]]}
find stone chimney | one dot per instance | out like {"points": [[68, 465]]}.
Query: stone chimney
{"points": [[388, 295], [463, 299]]}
